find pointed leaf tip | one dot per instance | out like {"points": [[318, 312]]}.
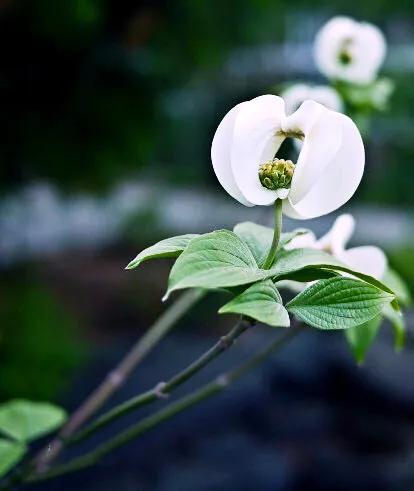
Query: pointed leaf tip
{"points": [[171, 247]]}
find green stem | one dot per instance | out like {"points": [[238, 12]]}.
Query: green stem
{"points": [[163, 389], [276, 235], [119, 374], [171, 410]]}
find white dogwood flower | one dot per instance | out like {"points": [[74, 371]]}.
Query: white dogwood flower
{"points": [[325, 95], [348, 50], [364, 259], [329, 166]]}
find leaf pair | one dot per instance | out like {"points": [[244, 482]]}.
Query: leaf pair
{"points": [[334, 303], [225, 259], [257, 237], [22, 422], [221, 259]]}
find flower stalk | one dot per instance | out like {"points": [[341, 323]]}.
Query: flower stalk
{"points": [[276, 235]]}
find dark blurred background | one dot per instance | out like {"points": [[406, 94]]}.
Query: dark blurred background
{"points": [[108, 109]]}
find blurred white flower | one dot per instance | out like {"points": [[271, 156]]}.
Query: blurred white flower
{"points": [[365, 259], [329, 167], [298, 93], [348, 50]]}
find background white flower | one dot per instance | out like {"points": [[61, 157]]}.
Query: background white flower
{"points": [[365, 259], [298, 93], [348, 50], [329, 167]]}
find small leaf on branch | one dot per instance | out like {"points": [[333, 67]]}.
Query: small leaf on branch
{"points": [[339, 303], [11, 453], [261, 302], [171, 247], [360, 338], [215, 260], [27, 420]]}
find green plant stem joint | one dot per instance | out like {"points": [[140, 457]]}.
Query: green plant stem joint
{"points": [[276, 174]]}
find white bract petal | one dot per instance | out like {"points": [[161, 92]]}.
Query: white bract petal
{"points": [[325, 95], [220, 155], [246, 138], [365, 259], [307, 240], [255, 141], [338, 236], [329, 166], [348, 50]]}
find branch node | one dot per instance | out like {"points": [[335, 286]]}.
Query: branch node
{"points": [[223, 380], [115, 378], [225, 342], [159, 391]]}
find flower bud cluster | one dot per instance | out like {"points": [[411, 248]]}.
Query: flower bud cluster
{"points": [[276, 174]]}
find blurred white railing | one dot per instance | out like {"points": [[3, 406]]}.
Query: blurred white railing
{"points": [[38, 220]]}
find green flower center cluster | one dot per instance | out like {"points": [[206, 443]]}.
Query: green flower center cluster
{"points": [[345, 57], [276, 174]]}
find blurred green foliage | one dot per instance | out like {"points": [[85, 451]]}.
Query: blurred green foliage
{"points": [[401, 259], [39, 345]]}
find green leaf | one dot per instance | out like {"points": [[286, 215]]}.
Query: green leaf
{"points": [[339, 303], [372, 281], [370, 96], [262, 302], [215, 260], [171, 247], [289, 263], [360, 338], [259, 238], [26, 420], [307, 275], [394, 281], [398, 324], [221, 259], [11, 453]]}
